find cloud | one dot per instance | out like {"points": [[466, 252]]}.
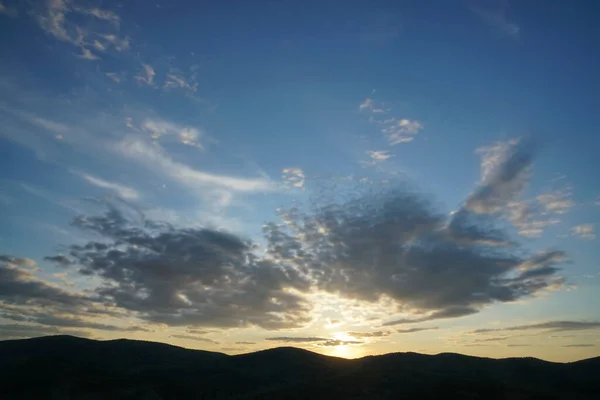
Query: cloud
{"points": [[86, 54], [494, 339], [146, 76], [494, 14], [362, 243], [362, 335], [293, 177], [121, 190], [584, 231], [101, 14], [380, 155], [40, 122], [118, 43], [396, 130], [70, 322], [191, 337], [245, 342], [505, 170], [176, 80], [402, 131], [19, 286], [60, 260], [413, 330], [318, 340], [337, 342], [528, 219], [392, 243], [56, 18], [552, 326], [295, 339], [153, 157], [557, 202], [518, 345], [453, 312], [579, 345], [114, 76], [366, 105], [19, 331], [199, 277], [187, 135], [8, 11], [17, 261]]}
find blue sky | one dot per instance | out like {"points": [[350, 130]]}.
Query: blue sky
{"points": [[222, 118]]}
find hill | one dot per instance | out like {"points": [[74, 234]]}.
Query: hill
{"points": [[66, 367]]}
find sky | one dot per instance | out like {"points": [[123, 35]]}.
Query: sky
{"points": [[352, 178]]}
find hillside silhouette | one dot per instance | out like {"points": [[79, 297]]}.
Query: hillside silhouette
{"points": [[66, 367]]}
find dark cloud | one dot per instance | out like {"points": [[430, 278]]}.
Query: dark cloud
{"points": [[518, 345], [198, 331], [60, 260], [70, 322], [187, 276], [452, 312], [335, 342], [553, 326], [19, 285], [494, 339], [295, 339], [361, 335], [579, 345], [245, 342], [191, 337], [358, 242], [413, 330], [392, 242]]}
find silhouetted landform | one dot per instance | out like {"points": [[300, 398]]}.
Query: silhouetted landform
{"points": [[66, 367]]}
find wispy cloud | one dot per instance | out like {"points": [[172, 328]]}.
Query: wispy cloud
{"points": [[154, 158], [159, 128], [369, 105], [100, 14], [121, 190], [296, 339], [380, 155], [375, 334], [557, 202], [293, 177], [8, 11], [403, 131], [580, 345], [318, 340], [176, 80], [55, 17], [494, 14], [40, 122], [114, 76], [452, 312], [192, 337], [146, 75], [552, 326], [584, 231], [396, 130], [413, 330]]}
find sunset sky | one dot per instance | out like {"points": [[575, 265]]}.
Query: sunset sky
{"points": [[349, 177]]}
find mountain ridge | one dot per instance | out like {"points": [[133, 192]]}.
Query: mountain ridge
{"points": [[79, 368]]}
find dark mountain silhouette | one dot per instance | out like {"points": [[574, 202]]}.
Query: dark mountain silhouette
{"points": [[66, 367]]}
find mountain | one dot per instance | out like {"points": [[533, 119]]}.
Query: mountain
{"points": [[66, 367]]}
